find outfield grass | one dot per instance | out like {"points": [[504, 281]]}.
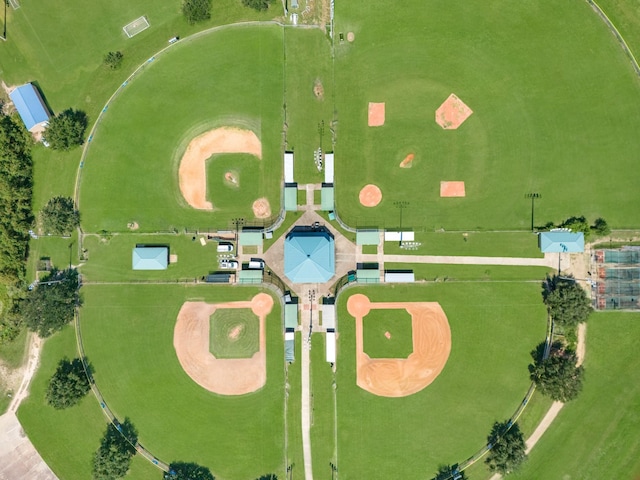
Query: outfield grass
{"points": [[294, 453], [550, 107], [128, 338], [130, 173], [397, 323], [223, 322], [445, 273], [596, 435], [67, 439], [493, 329], [624, 14]]}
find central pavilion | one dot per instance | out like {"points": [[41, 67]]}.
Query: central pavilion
{"points": [[309, 255]]}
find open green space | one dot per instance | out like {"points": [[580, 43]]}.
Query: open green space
{"points": [[226, 195], [624, 14], [60, 252], [234, 333], [293, 401], [436, 272], [596, 435], [549, 107], [387, 333], [493, 328], [131, 170], [67, 439], [128, 338]]}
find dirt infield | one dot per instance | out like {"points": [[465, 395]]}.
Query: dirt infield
{"points": [[395, 377], [261, 208], [370, 195], [376, 114], [452, 113], [221, 376], [192, 172], [452, 189]]}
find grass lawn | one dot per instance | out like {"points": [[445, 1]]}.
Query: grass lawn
{"points": [[323, 432], [240, 85], [493, 329], [128, 337], [67, 439], [596, 435], [445, 273], [60, 251], [293, 419], [549, 108], [624, 14], [377, 324], [13, 354], [234, 333]]}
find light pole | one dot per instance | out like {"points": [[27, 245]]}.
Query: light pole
{"points": [[401, 204], [321, 132], [238, 222], [533, 197]]}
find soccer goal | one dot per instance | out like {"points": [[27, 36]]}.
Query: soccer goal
{"points": [[137, 26]]}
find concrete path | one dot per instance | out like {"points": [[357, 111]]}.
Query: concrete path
{"points": [[305, 359], [18, 457], [548, 261]]}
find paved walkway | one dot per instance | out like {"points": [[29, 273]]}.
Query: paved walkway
{"points": [[550, 260], [305, 359]]}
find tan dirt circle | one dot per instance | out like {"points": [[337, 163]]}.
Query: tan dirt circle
{"points": [[400, 377], [236, 376], [192, 172], [351, 37], [370, 195], [261, 208]]}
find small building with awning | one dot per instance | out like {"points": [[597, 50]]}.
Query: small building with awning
{"points": [[561, 242], [150, 258]]}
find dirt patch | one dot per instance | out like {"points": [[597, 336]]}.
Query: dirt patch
{"points": [[235, 332], [370, 195], [452, 189], [376, 114], [173, 258], [222, 376], [408, 161], [261, 208], [387, 335], [133, 226], [192, 175], [452, 113], [396, 377], [318, 90], [232, 179], [351, 37]]}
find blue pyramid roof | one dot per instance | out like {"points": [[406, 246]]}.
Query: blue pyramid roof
{"points": [[29, 105], [150, 258], [309, 256], [561, 242]]}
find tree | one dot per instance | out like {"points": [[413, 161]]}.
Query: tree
{"points": [[450, 472], [258, 5], [577, 224], [566, 301], [68, 385], [59, 216], [196, 10], [66, 130], [113, 60], [558, 376], [117, 446], [507, 448], [600, 227], [51, 305], [188, 471]]}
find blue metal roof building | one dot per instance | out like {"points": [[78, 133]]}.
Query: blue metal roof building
{"points": [[309, 256], [30, 105], [561, 242], [150, 258]]}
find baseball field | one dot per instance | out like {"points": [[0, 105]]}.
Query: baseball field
{"points": [[451, 113]]}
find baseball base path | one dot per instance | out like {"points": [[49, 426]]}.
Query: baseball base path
{"points": [[399, 377], [221, 376]]}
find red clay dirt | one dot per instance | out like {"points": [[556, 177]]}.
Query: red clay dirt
{"points": [[452, 189], [408, 161], [400, 377], [370, 195], [261, 208], [192, 172], [452, 113], [222, 376], [376, 114]]}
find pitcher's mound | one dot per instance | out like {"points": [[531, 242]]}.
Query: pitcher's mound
{"points": [[376, 114], [408, 161], [370, 195], [351, 37], [452, 113], [231, 179], [452, 189]]}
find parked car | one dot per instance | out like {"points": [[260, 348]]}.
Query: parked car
{"points": [[228, 264], [256, 264], [225, 247]]}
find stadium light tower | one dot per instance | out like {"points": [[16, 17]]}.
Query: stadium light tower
{"points": [[4, 29], [401, 204], [533, 197]]}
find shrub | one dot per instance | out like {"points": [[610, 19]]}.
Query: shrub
{"points": [[113, 60], [196, 10]]}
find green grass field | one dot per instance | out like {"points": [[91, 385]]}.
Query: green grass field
{"points": [[130, 173], [493, 329], [376, 325], [128, 338], [227, 322], [552, 111]]}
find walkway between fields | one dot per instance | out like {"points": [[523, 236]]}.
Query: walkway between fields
{"points": [[18, 456], [305, 364], [549, 260], [555, 408]]}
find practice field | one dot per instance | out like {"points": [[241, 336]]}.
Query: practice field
{"points": [[553, 113], [229, 78], [493, 329], [128, 336]]}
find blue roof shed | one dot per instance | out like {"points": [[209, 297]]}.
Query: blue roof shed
{"points": [[309, 256], [30, 105], [561, 242], [150, 258]]}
